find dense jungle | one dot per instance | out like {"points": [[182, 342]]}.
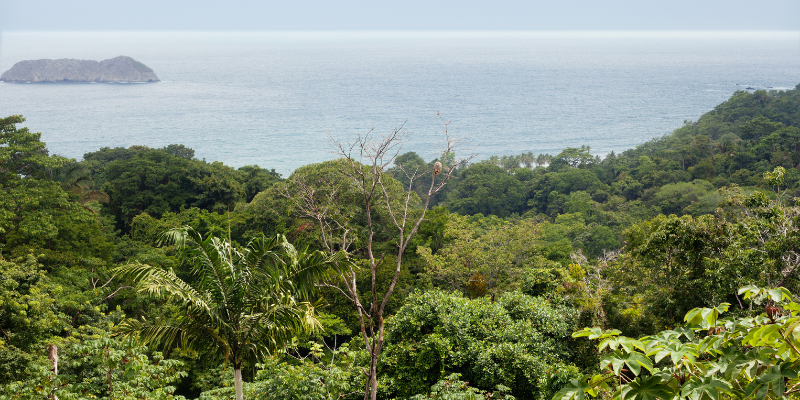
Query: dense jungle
{"points": [[668, 271]]}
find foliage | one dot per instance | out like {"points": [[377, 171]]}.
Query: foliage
{"points": [[483, 257], [28, 313], [546, 225], [708, 357], [255, 180], [148, 229], [518, 341], [452, 388], [686, 262], [328, 206], [487, 189], [310, 378], [155, 181], [241, 303], [23, 155], [35, 211], [94, 365]]}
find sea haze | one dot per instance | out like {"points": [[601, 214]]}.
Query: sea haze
{"points": [[273, 98]]}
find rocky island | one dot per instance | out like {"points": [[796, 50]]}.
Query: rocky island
{"points": [[117, 69]]}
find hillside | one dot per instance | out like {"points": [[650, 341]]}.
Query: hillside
{"points": [[512, 256]]}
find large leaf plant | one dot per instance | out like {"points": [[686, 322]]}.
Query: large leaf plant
{"points": [[709, 358]]}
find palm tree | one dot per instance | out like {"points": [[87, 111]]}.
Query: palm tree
{"points": [[76, 178], [241, 302]]}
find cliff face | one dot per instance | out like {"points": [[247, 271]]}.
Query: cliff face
{"points": [[118, 69]]}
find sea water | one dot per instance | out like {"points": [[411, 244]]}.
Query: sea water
{"points": [[275, 99]]}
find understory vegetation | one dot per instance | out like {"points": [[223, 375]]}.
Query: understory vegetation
{"points": [[668, 271]]}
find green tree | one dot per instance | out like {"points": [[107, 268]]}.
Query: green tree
{"points": [[483, 259], [22, 154], [487, 189], [452, 388], [156, 181], [574, 157], [256, 180], [27, 199], [758, 127], [241, 303], [518, 341], [685, 197], [28, 314], [93, 365], [36, 214], [320, 375]]}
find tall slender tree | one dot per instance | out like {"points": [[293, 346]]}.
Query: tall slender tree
{"points": [[365, 163], [240, 303]]}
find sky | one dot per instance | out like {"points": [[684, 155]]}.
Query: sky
{"points": [[270, 15]]}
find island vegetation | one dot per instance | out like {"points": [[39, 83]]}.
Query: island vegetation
{"points": [[668, 271]]}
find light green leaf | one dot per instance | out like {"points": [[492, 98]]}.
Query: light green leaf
{"points": [[575, 390], [647, 388], [708, 387]]}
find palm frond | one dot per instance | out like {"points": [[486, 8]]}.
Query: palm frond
{"points": [[93, 195], [187, 335], [164, 283], [241, 301]]}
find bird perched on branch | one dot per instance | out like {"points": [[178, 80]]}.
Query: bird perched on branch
{"points": [[437, 167]]}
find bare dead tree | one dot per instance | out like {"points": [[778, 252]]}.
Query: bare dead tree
{"points": [[365, 162], [320, 205]]}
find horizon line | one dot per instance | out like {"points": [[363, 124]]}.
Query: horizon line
{"points": [[412, 30], [454, 34]]}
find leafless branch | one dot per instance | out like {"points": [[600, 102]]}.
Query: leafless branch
{"points": [[364, 163]]}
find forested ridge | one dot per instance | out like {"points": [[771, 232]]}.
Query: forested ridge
{"points": [[153, 274]]}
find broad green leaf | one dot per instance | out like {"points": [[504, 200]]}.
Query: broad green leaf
{"points": [[596, 333], [710, 344], [708, 387], [705, 317], [794, 308], [758, 295], [694, 316], [634, 360], [677, 352], [686, 332], [593, 333], [778, 295], [647, 388], [771, 380], [749, 291], [575, 390], [764, 335], [597, 381], [626, 343], [791, 328]]}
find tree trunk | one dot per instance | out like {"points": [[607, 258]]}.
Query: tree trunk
{"points": [[372, 381], [237, 383], [52, 354]]}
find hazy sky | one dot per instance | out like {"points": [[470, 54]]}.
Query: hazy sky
{"points": [[400, 15]]}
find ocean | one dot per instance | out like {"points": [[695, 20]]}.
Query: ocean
{"points": [[276, 98]]}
